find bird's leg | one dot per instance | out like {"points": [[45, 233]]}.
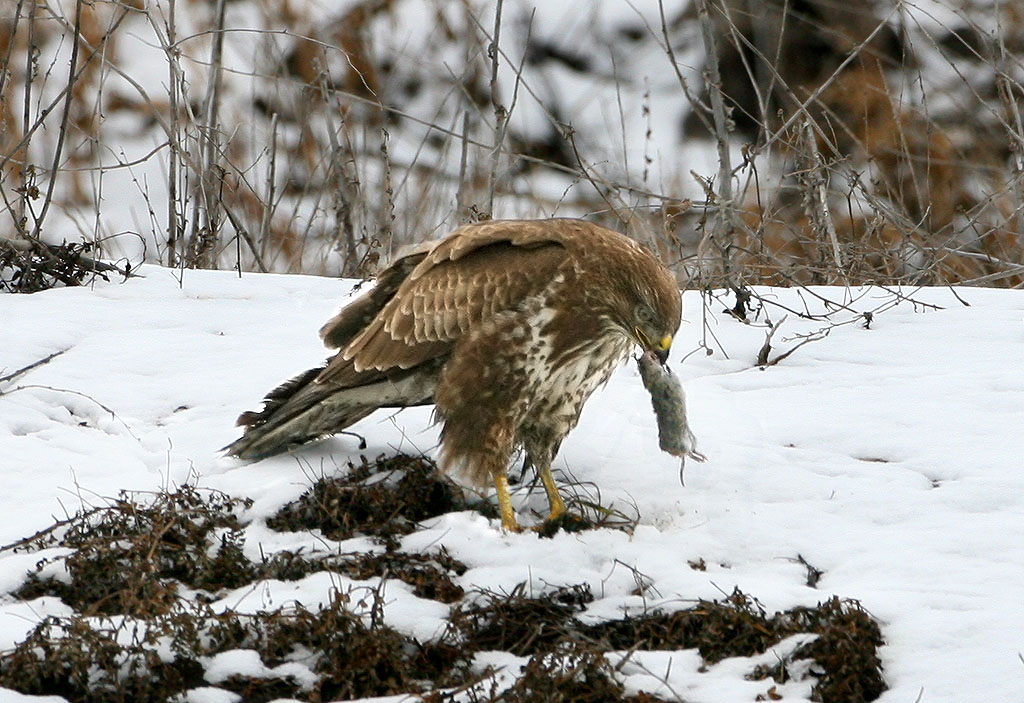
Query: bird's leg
{"points": [[508, 515], [554, 498]]}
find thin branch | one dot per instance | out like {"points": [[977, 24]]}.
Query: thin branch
{"points": [[766, 348], [806, 340], [65, 118], [724, 218], [243, 233], [174, 225], [51, 251], [816, 197], [25, 369], [462, 194], [500, 113]]}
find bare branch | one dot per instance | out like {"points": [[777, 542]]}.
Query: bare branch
{"points": [[25, 369]]}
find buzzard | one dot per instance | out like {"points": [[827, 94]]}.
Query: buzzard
{"points": [[507, 327]]}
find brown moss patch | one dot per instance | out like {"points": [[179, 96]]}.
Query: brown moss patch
{"points": [[109, 661], [565, 651], [387, 497], [428, 574], [131, 556], [846, 649], [515, 622], [571, 672]]}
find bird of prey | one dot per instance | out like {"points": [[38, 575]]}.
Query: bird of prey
{"points": [[507, 327]]}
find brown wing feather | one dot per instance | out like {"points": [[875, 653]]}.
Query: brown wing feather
{"points": [[444, 297], [524, 234], [354, 317]]}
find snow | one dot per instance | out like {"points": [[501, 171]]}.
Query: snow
{"points": [[246, 662], [650, 671], [888, 457]]}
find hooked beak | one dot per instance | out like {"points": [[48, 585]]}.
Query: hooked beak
{"points": [[659, 348]]}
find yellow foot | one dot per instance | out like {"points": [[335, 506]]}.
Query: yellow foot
{"points": [[508, 515], [557, 511]]}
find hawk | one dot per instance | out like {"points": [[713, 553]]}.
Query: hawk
{"points": [[507, 327]]}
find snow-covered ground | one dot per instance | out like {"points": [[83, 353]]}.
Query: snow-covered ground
{"points": [[888, 457]]}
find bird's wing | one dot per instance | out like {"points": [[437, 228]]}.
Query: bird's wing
{"points": [[464, 280], [354, 317]]}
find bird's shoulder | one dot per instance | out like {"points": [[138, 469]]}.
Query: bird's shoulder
{"points": [[506, 239]]}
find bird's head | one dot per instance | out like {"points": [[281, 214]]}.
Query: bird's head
{"points": [[652, 332], [650, 307]]}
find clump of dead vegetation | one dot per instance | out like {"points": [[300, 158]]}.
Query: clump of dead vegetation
{"points": [[132, 557], [847, 666], [430, 575], [341, 655], [144, 576], [29, 265], [517, 622], [567, 659], [570, 671], [387, 497], [845, 650]]}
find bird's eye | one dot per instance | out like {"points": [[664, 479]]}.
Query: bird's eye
{"points": [[644, 314]]}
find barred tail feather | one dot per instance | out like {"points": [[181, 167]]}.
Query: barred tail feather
{"points": [[303, 409]]}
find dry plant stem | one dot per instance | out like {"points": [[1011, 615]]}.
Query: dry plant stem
{"points": [[4, 74], [25, 369], [714, 81], [1017, 270], [174, 226], [34, 538], [766, 348], [801, 109], [185, 156], [528, 158], [62, 95], [461, 195], [32, 246], [62, 133], [27, 111], [343, 223], [761, 73], [500, 113], [698, 109], [721, 230], [243, 233], [585, 171], [209, 201], [762, 355], [386, 230], [269, 206], [806, 340], [1007, 94], [816, 198]]}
